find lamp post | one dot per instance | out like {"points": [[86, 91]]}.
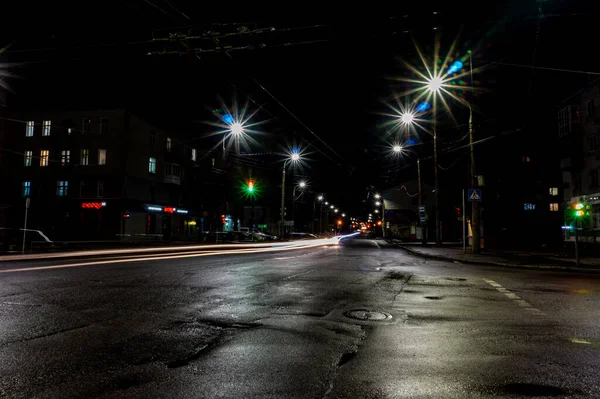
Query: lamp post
{"points": [[398, 149], [300, 185], [434, 84], [294, 158], [319, 199]]}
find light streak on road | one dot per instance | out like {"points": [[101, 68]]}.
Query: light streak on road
{"points": [[297, 245], [46, 256]]}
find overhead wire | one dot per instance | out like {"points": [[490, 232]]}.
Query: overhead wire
{"points": [[293, 115]]}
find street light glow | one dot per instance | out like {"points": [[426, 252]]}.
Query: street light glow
{"points": [[295, 156], [377, 203], [377, 196], [302, 184], [407, 118], [397, 148], [320, 198], [434, 84], [237, 129]]}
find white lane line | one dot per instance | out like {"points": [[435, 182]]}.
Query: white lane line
{"points": [[521, 302], [492, 283]]}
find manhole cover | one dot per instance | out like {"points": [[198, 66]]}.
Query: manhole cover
{"points": [[368, 315]]}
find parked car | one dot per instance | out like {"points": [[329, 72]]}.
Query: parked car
{"points": [[11, 239]]}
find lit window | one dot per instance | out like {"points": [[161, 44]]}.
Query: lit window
{"points": [[29, 128], [529, 207], [69, 131], [87, 126], [193, 154], [44, 157], [526, 159], [46, 128], [26, 188], [168, 144], [28, 157], [152, 165], [103, 126], [61, 188], [65, 157], [101, 157], [553, 190], [85, 157], [554, 206]]}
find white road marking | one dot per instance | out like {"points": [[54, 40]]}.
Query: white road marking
{"points": [[580, 341], [521, 302]]}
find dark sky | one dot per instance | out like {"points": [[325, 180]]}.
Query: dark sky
{"points": [[94, 54]]}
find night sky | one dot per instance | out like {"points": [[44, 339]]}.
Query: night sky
{"points": [[337, 83]]}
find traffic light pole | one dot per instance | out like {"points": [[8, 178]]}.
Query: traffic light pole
{"points": [[577, 224]]}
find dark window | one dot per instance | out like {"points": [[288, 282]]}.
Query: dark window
{"points": [[103, 126], [87, 126]]}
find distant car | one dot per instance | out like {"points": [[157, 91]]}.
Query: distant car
{"points": [[258, 235], [302, 236]]}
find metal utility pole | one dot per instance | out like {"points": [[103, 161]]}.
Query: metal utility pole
{"points": [[282, 227], [438, 222], [476, 245], [464, 220], [423, 232]]}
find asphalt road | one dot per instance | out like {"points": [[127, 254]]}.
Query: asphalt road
{"points": [[359, 320]]}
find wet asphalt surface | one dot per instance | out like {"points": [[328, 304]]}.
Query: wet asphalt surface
{"points": [[362, 320]]}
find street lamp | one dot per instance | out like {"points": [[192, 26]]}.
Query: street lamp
{"points": [[320, 199], [293, 158], [399, 149], [300, 185]]}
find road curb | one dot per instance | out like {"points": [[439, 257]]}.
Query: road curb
{"points": [[488, 263]]}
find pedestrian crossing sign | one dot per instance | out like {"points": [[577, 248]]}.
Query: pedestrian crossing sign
{"points": [[474, 194]]}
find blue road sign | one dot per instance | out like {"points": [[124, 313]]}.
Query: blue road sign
{"points": [[474, 194]]}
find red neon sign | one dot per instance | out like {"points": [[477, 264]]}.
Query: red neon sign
{"points": [[92, 205], [169, 210]]}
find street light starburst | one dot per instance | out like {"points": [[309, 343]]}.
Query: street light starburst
{"points": [[235, 126], [4, 75], [438, 79]]}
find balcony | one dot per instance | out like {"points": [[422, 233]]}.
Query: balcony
{"points": [[172, 179], [173, 173]]}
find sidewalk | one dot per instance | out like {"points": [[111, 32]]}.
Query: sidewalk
{"points": [[504, 258]]}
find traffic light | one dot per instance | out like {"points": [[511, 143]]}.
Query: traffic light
{"points": [[250, 187], [579, 209], [223, 219]]}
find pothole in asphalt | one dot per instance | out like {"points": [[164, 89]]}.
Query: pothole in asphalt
{"points": [[368, 315], [435, 298], [532, 390], [397, 276]]}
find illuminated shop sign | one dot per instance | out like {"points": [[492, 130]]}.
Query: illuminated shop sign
{"points": [[93, 205], [166, 209]]}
